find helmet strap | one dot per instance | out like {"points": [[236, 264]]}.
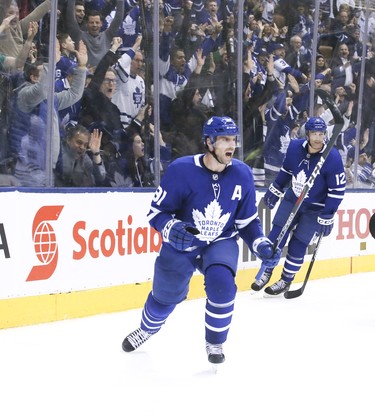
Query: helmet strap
{"points": [[213, 153], [308, 138]]}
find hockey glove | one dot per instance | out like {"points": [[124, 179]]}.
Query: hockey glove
{"points": [[180, 235], [263, 249], [325, 222], [272, 195]]}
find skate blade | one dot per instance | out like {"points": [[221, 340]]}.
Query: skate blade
{"points": [[214, 368], [253, 292], [265, 295]]}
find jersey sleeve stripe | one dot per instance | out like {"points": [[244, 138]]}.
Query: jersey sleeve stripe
{"points": [[242, 223]]}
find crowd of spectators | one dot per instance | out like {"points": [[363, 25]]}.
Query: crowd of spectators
{"points": [[104, 104]]}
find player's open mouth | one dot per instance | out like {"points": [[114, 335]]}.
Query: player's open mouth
{"points": [[229, 154]]}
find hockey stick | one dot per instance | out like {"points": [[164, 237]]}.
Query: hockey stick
{"points": [[339, 123], [299, 291], [371, 226]]}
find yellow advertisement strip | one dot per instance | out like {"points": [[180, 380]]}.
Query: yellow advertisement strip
{"points": [[53, 307]]}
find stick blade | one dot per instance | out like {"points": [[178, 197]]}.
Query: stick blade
{"points": [[294, 293], [372, 226]]}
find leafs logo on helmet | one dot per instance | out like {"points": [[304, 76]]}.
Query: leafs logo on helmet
{"points": [[219, 126]]}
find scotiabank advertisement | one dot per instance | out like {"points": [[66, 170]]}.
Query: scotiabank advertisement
{"points": [[51, 243], [59, 242]]}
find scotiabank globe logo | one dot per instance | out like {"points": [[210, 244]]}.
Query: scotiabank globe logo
{"points": [[45, 243]]}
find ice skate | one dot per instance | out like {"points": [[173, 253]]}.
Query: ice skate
{"points": [[215, 353], [135, 339], [258, 285], [279, 287]]}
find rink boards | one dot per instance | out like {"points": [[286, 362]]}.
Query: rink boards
{"points": [[66, 255]]}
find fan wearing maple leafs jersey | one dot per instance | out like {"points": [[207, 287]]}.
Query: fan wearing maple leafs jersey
{"points": [[204, 202], [317, 211], [130, 92]]}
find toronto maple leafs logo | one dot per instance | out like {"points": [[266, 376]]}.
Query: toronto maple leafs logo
{"points": [[284, 143], [211, 223], [129, 25], [298, 182]]}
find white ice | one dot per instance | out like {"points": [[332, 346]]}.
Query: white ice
{"points": [[315, 353]]}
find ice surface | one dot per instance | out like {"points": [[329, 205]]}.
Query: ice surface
{"points": [[315, 353]]}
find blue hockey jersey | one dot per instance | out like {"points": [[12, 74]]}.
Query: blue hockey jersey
{"points": [[329, 186], [220, 205]]}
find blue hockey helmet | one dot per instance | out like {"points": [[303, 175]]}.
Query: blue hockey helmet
{"points": [[219, 126], [315, 124]]}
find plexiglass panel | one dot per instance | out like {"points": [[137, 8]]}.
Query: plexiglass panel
{"points": [[106, 93]]}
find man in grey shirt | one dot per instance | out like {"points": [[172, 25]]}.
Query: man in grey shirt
{"points": [[97, 42], [28, 137]]}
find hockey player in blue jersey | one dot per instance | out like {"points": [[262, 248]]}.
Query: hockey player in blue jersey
{"points": [[317, 211], [204, 202]]}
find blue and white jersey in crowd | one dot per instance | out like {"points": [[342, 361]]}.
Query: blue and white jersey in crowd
{"points": [[130, 92], [172, 80], [64, 67], [280, 119], [329, 186], [173, 6], [282, 69], [129, 29], [219, 205]]}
